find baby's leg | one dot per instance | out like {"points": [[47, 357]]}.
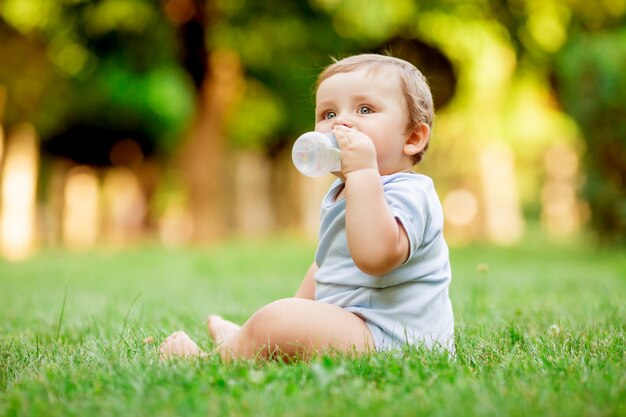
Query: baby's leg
{"points": [[221, 330], [292, 327]]}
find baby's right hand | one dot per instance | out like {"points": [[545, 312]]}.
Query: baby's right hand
{"points": [[357, 150]]}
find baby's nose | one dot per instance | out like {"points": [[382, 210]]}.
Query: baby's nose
{"points": [[343, 121]]}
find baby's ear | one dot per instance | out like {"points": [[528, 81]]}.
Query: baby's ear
{"points": [[417, 140]]}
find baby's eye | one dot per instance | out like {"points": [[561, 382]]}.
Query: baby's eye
{"points": [[330, 115], [364, 110]]}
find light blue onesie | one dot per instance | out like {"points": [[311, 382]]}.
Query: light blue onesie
{"points": [[409, 305]]}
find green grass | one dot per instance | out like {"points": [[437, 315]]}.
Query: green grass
{"points": [[539, 328]]}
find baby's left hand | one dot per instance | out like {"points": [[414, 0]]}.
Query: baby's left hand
{"points": [[357, 150]]}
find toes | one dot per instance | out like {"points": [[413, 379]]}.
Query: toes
{"points": [[179, 344], [169, 345]]}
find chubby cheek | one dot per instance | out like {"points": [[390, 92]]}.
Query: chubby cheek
{"points": [[390, 150], [323, 125], [382, 154]]}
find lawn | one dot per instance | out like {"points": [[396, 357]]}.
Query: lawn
{"points": [[539, 332]]}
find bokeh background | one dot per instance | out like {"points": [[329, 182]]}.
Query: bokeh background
{"points": [[131, 121]]}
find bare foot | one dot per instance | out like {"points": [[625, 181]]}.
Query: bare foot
{"points": [[219, 329], [181, 345]]}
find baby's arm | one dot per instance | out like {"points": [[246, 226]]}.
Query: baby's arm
{"points": [[377, 242], [307, 286]]}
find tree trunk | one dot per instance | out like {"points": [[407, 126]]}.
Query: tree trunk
{"points": [[216, 76], [203, 155]]}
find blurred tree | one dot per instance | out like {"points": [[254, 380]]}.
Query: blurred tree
{"points": [[581, 46], [110, 72], [231, 72], [282, 46], [216, 74], [591, 83]]}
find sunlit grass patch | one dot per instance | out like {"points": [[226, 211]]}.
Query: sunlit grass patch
{"points": [[539, 331]]}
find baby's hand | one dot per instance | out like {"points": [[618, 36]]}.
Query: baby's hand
{"points": [[357, 150]]}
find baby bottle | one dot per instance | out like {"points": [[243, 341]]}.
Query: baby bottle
{"points": [[315, 154]]}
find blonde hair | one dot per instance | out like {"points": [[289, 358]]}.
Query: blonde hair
{"points": [[414, 86]]}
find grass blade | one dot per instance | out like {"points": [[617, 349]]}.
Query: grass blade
{"points": [[56, 337]]}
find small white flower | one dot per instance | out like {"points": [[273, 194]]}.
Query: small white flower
{"points": [[554, 329]]}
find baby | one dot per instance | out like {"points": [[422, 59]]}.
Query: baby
{"points": [[381, 272]]}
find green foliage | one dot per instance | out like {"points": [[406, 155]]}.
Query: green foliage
{"points": [[592, 88], [377, 20], [257, 116], [116, 63], [113, 63], [538, 341], [282, 46]]}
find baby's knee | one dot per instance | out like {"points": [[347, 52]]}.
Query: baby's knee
{"points": [[268, 313], [260, 325]]}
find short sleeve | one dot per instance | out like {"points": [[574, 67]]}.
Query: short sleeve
{"points": [[408, 201]]}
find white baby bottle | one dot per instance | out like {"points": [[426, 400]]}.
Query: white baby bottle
{"points": [[315, 154]]}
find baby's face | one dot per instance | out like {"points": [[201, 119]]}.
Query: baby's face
{"points": [[370, 101]]}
